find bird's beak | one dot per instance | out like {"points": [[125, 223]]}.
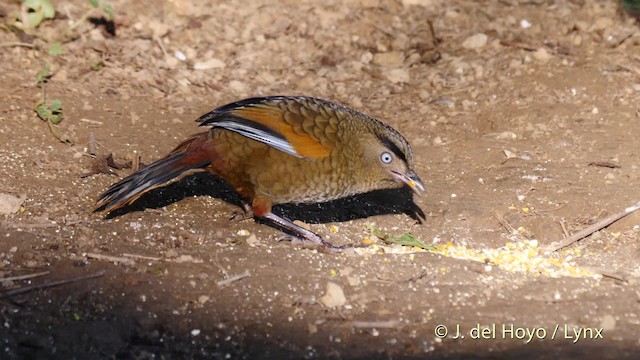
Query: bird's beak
{"points": [[411, 179]]}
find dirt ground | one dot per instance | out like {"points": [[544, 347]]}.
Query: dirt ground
{"points": [[524, 119]]}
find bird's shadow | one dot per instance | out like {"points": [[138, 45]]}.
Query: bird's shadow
{"points": [[379, 202]]}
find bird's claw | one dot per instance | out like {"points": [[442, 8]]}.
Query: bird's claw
{"points": [[303, 236], [240, 216], [246, 214]]}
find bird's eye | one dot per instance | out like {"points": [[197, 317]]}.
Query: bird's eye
{"points": [[386, 158]]}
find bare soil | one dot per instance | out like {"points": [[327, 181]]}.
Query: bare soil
{"points": [[524, 111]]}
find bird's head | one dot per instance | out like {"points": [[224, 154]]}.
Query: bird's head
{"points": [[388, 159]]}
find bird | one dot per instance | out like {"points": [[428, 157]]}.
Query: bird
{"points": [[283, 149]]}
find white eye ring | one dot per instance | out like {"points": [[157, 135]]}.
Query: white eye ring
{"points": [[386, 158]]}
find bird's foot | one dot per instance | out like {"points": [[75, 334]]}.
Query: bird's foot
{"points": [[315, 241], [302, 236], [246, 214], [240, 216]]}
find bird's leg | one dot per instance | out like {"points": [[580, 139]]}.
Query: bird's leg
{"points": [[262, 209], [304, 235]]}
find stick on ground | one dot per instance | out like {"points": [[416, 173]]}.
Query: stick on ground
{"points": [[504, 223], [24, 277], [234, 278], [114, 259], [593, 228], [26, 289], [143, 257]]}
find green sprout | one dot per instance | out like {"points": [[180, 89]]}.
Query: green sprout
{"points": [[406, 239], [34, 12], [104, 6], [56, 49], [51, 114]]}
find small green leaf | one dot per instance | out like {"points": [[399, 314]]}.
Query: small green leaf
{"points": [[52, 113], [108, 10], [77, 317], [34, 19], [40, 10], [376, 232], [94, 3], [97, 66], [47, 9], [56, 49], [55, 118], [155, 271], [56, 105], [406, 239], [44, 73], [43, 112], [56, 112]]}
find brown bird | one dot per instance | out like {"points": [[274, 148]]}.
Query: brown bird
{"points": [[283, 149]]}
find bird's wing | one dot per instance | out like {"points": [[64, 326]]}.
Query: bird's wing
{"points": [[279, 122]]}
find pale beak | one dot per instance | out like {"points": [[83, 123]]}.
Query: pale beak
{"points": [[411, 179]]}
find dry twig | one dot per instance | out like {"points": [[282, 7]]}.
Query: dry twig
{"points": [[30, 288], [92, 146], [607, 164], [234, 278], [115, 259], [593, 228], [143, 257], [504, 223], [17, 44], [564, 229], [24, 277]]}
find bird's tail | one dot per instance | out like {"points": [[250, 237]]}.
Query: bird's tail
{"points": [[190, 154]]}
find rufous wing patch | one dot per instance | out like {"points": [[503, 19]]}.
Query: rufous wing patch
{"points": [[304, 144]]}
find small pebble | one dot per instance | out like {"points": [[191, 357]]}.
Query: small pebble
{"points": [[400, 75], [252, 240], [542, 54], [334, 296], [475, 41], [10, 203], [209, 64], [608, 323], [354, 280], [180, 55]]}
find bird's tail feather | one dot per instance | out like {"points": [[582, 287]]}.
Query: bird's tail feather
{"points": [[187, 156]]}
